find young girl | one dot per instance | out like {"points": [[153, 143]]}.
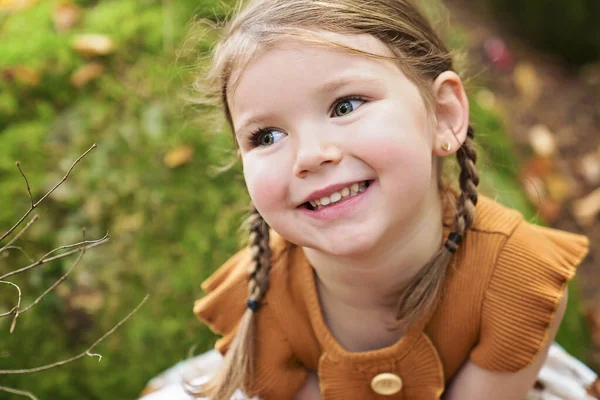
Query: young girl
{"points": [[367, 277]]}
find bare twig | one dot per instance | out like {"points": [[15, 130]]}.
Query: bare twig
{"points": [[58, 282], [34, 205], [12, 310], [21, 232], [17, 309], [21, 250], [88, 352], [18, 301], [69, 246], [27, 183], [18, 392], [86, 245]]}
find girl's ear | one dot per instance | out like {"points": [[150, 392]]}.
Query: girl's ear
{"points": [[451, 112]]}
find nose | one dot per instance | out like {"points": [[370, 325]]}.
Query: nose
{"points": [[314, 153]]}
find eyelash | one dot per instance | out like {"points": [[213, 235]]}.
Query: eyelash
{"points": [[254, 137]]}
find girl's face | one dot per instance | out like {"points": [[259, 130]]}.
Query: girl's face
{"points": [[315, 123]]}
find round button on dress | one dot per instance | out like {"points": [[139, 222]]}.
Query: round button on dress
{"points": [[386, 384]]}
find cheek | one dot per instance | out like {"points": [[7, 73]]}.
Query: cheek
{"points": [[397, 140], [399, 149], [266, 184], [405, 162]]}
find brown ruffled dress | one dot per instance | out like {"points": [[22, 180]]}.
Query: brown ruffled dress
{"points": [[500, 296]]}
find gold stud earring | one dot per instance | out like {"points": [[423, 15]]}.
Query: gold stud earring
{"points": [[446, 146]]}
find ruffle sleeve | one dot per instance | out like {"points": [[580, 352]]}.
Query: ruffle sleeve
{"points": [[277, 373], [528, 283], [223, 306]]}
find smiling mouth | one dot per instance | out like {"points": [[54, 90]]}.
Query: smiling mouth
{"points": [[337, 197]]}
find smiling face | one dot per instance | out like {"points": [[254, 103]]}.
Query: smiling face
{"points": [[313, 123]]}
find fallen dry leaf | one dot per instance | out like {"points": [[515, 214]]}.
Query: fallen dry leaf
{"points": [[589, 167], [527, 82], [178, 156], [86, 73], [65, 16], [559, 188], [542, 140], [24, 75], [538, 166], [549, 210], [93, 44], [587, 208]]}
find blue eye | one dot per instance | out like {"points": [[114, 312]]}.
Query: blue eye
{"points": [[346, 106], [266, 137]]}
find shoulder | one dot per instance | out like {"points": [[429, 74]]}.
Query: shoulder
{"points": [[525, 288], [226, 291], [276, 373], [493, 217], [475, 382]]}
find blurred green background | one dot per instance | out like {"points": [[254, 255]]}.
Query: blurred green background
{"points": [[152, 183]]}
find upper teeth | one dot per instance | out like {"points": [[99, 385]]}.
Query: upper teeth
{"points": [[349, 191]]}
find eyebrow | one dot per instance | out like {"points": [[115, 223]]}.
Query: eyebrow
{"points": [[342, 81], [331, 86]]}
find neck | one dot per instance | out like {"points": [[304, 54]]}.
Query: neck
{"points": [[370, 283]]}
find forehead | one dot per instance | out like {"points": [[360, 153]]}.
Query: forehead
{"points": [[295, 65]]}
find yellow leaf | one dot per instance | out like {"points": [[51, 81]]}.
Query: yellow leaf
{"points": [[14, 5], [178, 156], [93, 44], [559, 187], [527, 82]]}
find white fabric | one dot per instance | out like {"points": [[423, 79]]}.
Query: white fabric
{"points": [[563, 377]]}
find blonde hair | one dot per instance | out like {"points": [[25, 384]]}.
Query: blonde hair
{"points": [[419, 53]]}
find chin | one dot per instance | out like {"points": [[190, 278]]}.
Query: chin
{"points": [[345, 245]]}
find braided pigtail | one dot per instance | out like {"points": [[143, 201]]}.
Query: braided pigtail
{"points": [[237, 369], [424, 292]]}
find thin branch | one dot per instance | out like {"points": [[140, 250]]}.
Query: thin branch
{"points": [[18, 302], [58, 282], [63, 255], [66, 175], [21, 232], [70, 246], [18, 392], [88, 352], [12, 310], [27, 183], [20, 249], [33, 206]]}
